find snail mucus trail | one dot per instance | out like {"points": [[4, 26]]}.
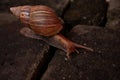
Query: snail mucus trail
{"points": [[45, 25]]}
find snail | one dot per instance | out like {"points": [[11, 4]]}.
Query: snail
{"points": [[44, 24]]}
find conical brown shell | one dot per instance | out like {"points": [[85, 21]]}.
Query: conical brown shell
{"points": [[16, 10], [43, 20]]}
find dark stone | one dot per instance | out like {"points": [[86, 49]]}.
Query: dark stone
{"points": [[113, 4], [6, 18], [20, 57], [114, 19], [102, 64], [113, 15], [91, 12]]}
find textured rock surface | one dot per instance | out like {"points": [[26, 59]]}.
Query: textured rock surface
{"points": [[114, 19], [20, 57], [6, 18], [102, 64], [113, 15], [114, 4], [90, 12]]}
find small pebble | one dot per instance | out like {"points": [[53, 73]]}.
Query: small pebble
{"points": [[72, 0], [84, 44], [84, 17], [69, 76], [63, 78], [107, 0], [113, 65], [66, 59]]}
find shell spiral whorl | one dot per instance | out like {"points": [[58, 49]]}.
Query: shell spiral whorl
{"points": [[42, 19]]}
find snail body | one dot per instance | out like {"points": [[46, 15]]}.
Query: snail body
{"points": [[45, 25]]}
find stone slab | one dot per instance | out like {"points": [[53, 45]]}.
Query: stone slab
{"points": [[20, 57], [113, 15], [6, 18], [114, 4], [91, 12], [102, 64]]}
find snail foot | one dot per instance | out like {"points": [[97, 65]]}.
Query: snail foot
{"points": [[27, 32]]}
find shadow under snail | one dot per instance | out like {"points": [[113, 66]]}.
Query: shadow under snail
{"points": [[45, 25]]}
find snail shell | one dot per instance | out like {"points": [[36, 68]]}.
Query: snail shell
{"points": [[42, 19]]}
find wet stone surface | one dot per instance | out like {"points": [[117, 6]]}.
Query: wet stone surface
{"points": [[114, 19], [102, 64], [19, 56], [91, 12], [114, 4], [113, 15], [6, 17]]}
